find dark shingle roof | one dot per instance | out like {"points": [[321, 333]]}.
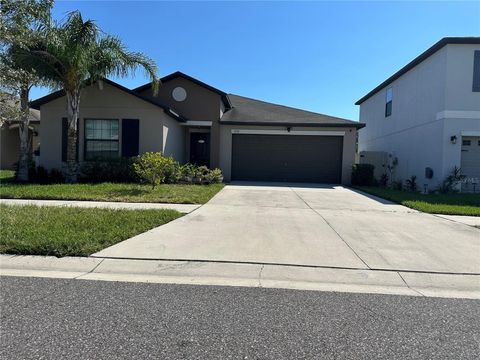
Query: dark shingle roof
{"points": [[248, 111], [429, 52]]}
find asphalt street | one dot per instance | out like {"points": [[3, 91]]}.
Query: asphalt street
{"points": [[79, 319]]}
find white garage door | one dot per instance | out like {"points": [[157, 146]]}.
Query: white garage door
{"points": [[470, 164]]}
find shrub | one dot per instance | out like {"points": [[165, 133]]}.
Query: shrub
{"points": [[40, 175], [215, 176], [397, 185], [108, 170], [362, 175], [155, 169], [383, 180], [56, 176], [186, 173], [411, 184], [448, 185]]}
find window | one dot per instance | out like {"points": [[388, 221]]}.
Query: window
{"points": [[101, 139], [476, 71], [388, 102], [466, 143]]}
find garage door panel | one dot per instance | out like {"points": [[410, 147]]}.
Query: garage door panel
{"points": [[295, 158]]}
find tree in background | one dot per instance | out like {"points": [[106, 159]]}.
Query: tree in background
{"points": [[76, 53], [21, 25]]}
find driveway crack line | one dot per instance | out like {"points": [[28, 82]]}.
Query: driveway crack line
{"points": [[260, 276], [91, 271], [408, 286], [331, 227]]}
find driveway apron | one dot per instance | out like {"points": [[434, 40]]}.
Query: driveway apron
{"points": [[309, 225]]}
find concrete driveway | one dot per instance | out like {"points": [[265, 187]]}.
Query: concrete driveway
{"points": [[329, 226]]}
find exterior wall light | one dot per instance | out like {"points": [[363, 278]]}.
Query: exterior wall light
{"points": [[453, 139], [289, 128]]}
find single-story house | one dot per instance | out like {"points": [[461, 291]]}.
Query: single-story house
{"points": [[427, 117], [194, 122], [10, 141]]}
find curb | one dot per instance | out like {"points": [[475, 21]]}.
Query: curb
{"points": [[244, 275]]}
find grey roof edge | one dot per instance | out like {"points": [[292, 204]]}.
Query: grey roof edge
{"points": [[426, 54], [35, 104], [290, 107], [224, 95], [354, 124]]}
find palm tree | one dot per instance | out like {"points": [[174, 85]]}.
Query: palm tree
{"points": [[77, 53]]}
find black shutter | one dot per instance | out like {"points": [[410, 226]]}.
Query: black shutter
{"points": [[130, 137], [65, 138], [476, 71]]}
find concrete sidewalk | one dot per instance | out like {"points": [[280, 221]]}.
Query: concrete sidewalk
{"points": [[248, 275], [183, 208], [466, 220]]}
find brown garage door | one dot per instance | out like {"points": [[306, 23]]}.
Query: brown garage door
{"points": [[293, 158]]}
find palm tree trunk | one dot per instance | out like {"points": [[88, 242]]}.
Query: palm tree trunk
{"points": [[22, 171], [73, 102]]}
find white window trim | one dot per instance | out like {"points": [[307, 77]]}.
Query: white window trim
{"points": [[286, 132]]}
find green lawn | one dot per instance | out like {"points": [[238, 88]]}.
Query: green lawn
{"points": [[65, 231], [166, 193], [448, 204]]}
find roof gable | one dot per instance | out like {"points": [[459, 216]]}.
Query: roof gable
{"points": [[429, 52], [223, 95]]}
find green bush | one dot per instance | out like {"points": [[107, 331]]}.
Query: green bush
{"points": [[362, 175], [108, 170], [411, 184], [215, 176], [155, 169], [40, 175], [451, 181]]}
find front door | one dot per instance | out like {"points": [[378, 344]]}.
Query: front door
{"points": [[200, 149]]}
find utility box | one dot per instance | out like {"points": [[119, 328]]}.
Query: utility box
{"points": [[379, 159]]}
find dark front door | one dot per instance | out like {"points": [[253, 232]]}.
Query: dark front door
{"points": [[200, 149], [293, 158]]}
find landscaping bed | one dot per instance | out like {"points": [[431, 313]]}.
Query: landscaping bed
{"points": [[447, 204], [65, 231]]}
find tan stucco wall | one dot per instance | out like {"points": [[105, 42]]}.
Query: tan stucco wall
{"points": [[108, 103], [10, 146], [348, 159], [200, 104]]}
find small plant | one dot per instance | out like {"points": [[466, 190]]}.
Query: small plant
{"points": [[201, 174], [397, 185], [56, 176], [450, 183], [362, 175], [383, 180], [154, 168], [215, 176], [411, 184]]}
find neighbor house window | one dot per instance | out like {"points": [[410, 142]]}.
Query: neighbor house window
{"points": [[476, 71], [388, 102], [101, 139], [466, 142]]}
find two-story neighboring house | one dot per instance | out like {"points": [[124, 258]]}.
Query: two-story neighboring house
{"points": [[427, 115]]}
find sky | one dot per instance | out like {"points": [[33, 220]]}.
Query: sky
{"points": [[319, 56]]}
